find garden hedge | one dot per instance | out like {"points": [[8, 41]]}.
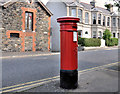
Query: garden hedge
{"points": [[89, 42], [112, 42]]}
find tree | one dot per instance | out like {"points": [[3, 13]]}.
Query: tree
{"points": [[117, 4], [107, 36], [108, 6]]}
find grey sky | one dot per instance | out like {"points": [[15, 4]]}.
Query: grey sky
{"points": [[99, 3]]}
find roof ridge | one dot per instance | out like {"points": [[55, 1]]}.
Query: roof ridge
{"points": [[91, 5]]}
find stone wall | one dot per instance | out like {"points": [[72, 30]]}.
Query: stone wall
{"points": [[42, 27], [12, 20]]}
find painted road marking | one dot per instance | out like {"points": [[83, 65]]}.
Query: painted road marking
{"points": [[29, 82], [39, 82], [110, 70], [23, 56]]}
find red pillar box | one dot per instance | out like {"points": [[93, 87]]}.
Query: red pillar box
{"points": [[69, 52]]}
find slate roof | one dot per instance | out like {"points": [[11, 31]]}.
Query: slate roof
{"points": [[73, 4], [114, 14], [88, 7], [3, 1], [7, 2]]}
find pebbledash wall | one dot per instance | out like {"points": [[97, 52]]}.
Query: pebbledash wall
{"points": [[13, 21]]}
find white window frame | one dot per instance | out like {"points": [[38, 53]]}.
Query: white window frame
{"points": [[114, 22], [94, 18], [108, 21], [80, 14], [99, 19], [86, 18], [104, 21], [71, 12]]}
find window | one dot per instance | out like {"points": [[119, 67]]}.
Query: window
{"points": [[118, 35], [73, 12], [87, 18], [99, 34], [114, 21], [108, 21], [94, 34], [29, 21], [99, 19], [14, 35], [94, 15], [80, 14], [80, 33], [114, 35], [104, 20], [118, 22], [86, 32]]}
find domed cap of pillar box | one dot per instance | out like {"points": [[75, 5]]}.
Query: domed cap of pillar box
{"points": [[68, 19]]}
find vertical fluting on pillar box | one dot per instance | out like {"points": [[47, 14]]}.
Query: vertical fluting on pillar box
{"points": [[69, 52]]}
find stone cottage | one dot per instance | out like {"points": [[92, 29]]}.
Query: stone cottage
{"points": [[25, 26]]}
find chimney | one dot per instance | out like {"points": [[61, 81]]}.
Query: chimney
{"points": [[111, 9], [93, 3]]}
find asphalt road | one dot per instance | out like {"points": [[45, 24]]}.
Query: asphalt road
{"points": [[21, 70]]}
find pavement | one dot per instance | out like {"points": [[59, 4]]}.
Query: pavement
{"points": [[39, 53], [100, 79], [25, 54], [91, 79]]}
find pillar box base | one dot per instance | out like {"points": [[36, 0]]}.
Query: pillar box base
{"points": [[68, 79]]}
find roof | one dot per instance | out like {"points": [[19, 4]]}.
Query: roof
{"points": [[88, 7], [73, 4], [6, 3], [114, 15]]}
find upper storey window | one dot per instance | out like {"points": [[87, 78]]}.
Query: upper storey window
{"points": [[104, 20], [87, 18], [29, 21], [108, 21], [80, 12], [118, 22], [73, 12], [114, 21], [99, 19], [94, 16]]}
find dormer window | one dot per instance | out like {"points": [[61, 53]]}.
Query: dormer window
{"points": [[73, 12]]}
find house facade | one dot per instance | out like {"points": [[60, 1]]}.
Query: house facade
{"points": [[93, 20], [25, 26]]}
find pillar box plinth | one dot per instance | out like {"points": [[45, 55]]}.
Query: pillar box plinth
{"points": [[69, 52]]}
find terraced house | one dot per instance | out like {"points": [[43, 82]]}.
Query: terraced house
{"points": [[93, 19], [25, 25]]}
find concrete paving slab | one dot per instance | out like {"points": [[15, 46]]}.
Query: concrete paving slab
{"points": [[92, 81]]}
